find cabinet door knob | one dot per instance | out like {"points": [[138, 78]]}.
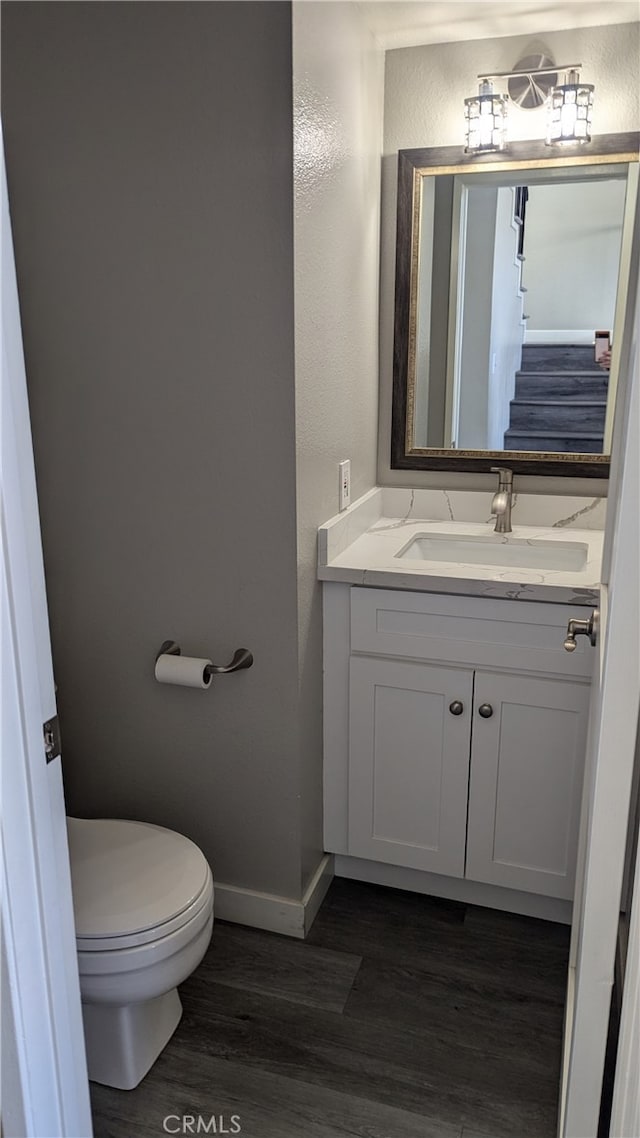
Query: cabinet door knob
{"points": [[485, 710], [456, 708]]}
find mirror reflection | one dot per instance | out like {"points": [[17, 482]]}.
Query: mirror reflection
{"points": [[516, 275], [510, 298]]}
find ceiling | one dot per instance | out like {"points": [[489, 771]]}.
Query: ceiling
{"points": [[407, 23]]}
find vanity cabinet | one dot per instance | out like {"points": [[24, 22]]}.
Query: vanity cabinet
{"points": [[456, 735]]}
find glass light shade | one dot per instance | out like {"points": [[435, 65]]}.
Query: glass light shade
{"points": [[485, 120], [569, 111]]}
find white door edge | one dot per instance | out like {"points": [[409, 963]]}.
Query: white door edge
{"points": [[610, 764], [625, 1110], [42, 1036]]}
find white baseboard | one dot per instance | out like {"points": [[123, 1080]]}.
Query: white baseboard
{"points": [[455, 889], [273, 913], [316, 890], [295, 918], [583, 336]]}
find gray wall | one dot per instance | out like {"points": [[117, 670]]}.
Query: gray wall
{"points": [[149, 160], [338, 75]]}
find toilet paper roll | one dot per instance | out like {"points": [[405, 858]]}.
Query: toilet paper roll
{"points": [[188, 671]]}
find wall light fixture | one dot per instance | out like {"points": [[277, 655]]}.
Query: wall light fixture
{"points": [[569, 110], [532, 82], [485, 119]]}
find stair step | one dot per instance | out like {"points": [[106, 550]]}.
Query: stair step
{"points": [[587, 384], [556, 415], [567, 443], [576, 372], [586, 402], [567, 385], [542, 357]]}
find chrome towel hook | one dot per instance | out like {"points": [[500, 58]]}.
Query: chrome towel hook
{"points": [[588, 628]]}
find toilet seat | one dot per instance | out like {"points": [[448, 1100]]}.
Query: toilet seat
{"points": [[134, 883], [177, 930], [119, 955]]}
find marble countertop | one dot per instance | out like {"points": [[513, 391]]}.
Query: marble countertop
{"points": [[361, 546]]}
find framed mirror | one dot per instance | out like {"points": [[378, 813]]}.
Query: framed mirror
{"points": [[507, 265]]}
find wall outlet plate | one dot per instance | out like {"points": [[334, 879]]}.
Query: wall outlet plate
{"points": [[344, 486]]}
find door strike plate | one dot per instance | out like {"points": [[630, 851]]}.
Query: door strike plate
{"points": [[52, 741]]}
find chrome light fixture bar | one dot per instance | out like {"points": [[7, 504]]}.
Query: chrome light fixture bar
{"points": [[552, 69]]}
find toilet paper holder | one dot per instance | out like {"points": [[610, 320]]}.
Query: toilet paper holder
{"points": [[242, 658]]}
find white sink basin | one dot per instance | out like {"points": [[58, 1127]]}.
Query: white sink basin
{"points": [[496, 549]]}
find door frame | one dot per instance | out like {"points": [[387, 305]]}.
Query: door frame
{"points": [[610, 762], [46, 1090], [625, 1110]]}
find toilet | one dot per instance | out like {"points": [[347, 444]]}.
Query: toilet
{"points": [[143, 907]]}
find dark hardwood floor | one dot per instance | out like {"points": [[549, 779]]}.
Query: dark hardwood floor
{"points": [[400, 1016]]}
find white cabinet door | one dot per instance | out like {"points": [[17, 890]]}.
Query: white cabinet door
{"points": [[409, 763], [526, 779]]}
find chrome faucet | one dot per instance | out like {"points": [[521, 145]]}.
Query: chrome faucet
{"points": [[502, 500]]}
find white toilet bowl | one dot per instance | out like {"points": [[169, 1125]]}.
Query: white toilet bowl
{"points": [[143, 906]]}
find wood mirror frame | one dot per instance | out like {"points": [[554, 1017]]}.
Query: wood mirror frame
{"points": [[412, 164]]}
